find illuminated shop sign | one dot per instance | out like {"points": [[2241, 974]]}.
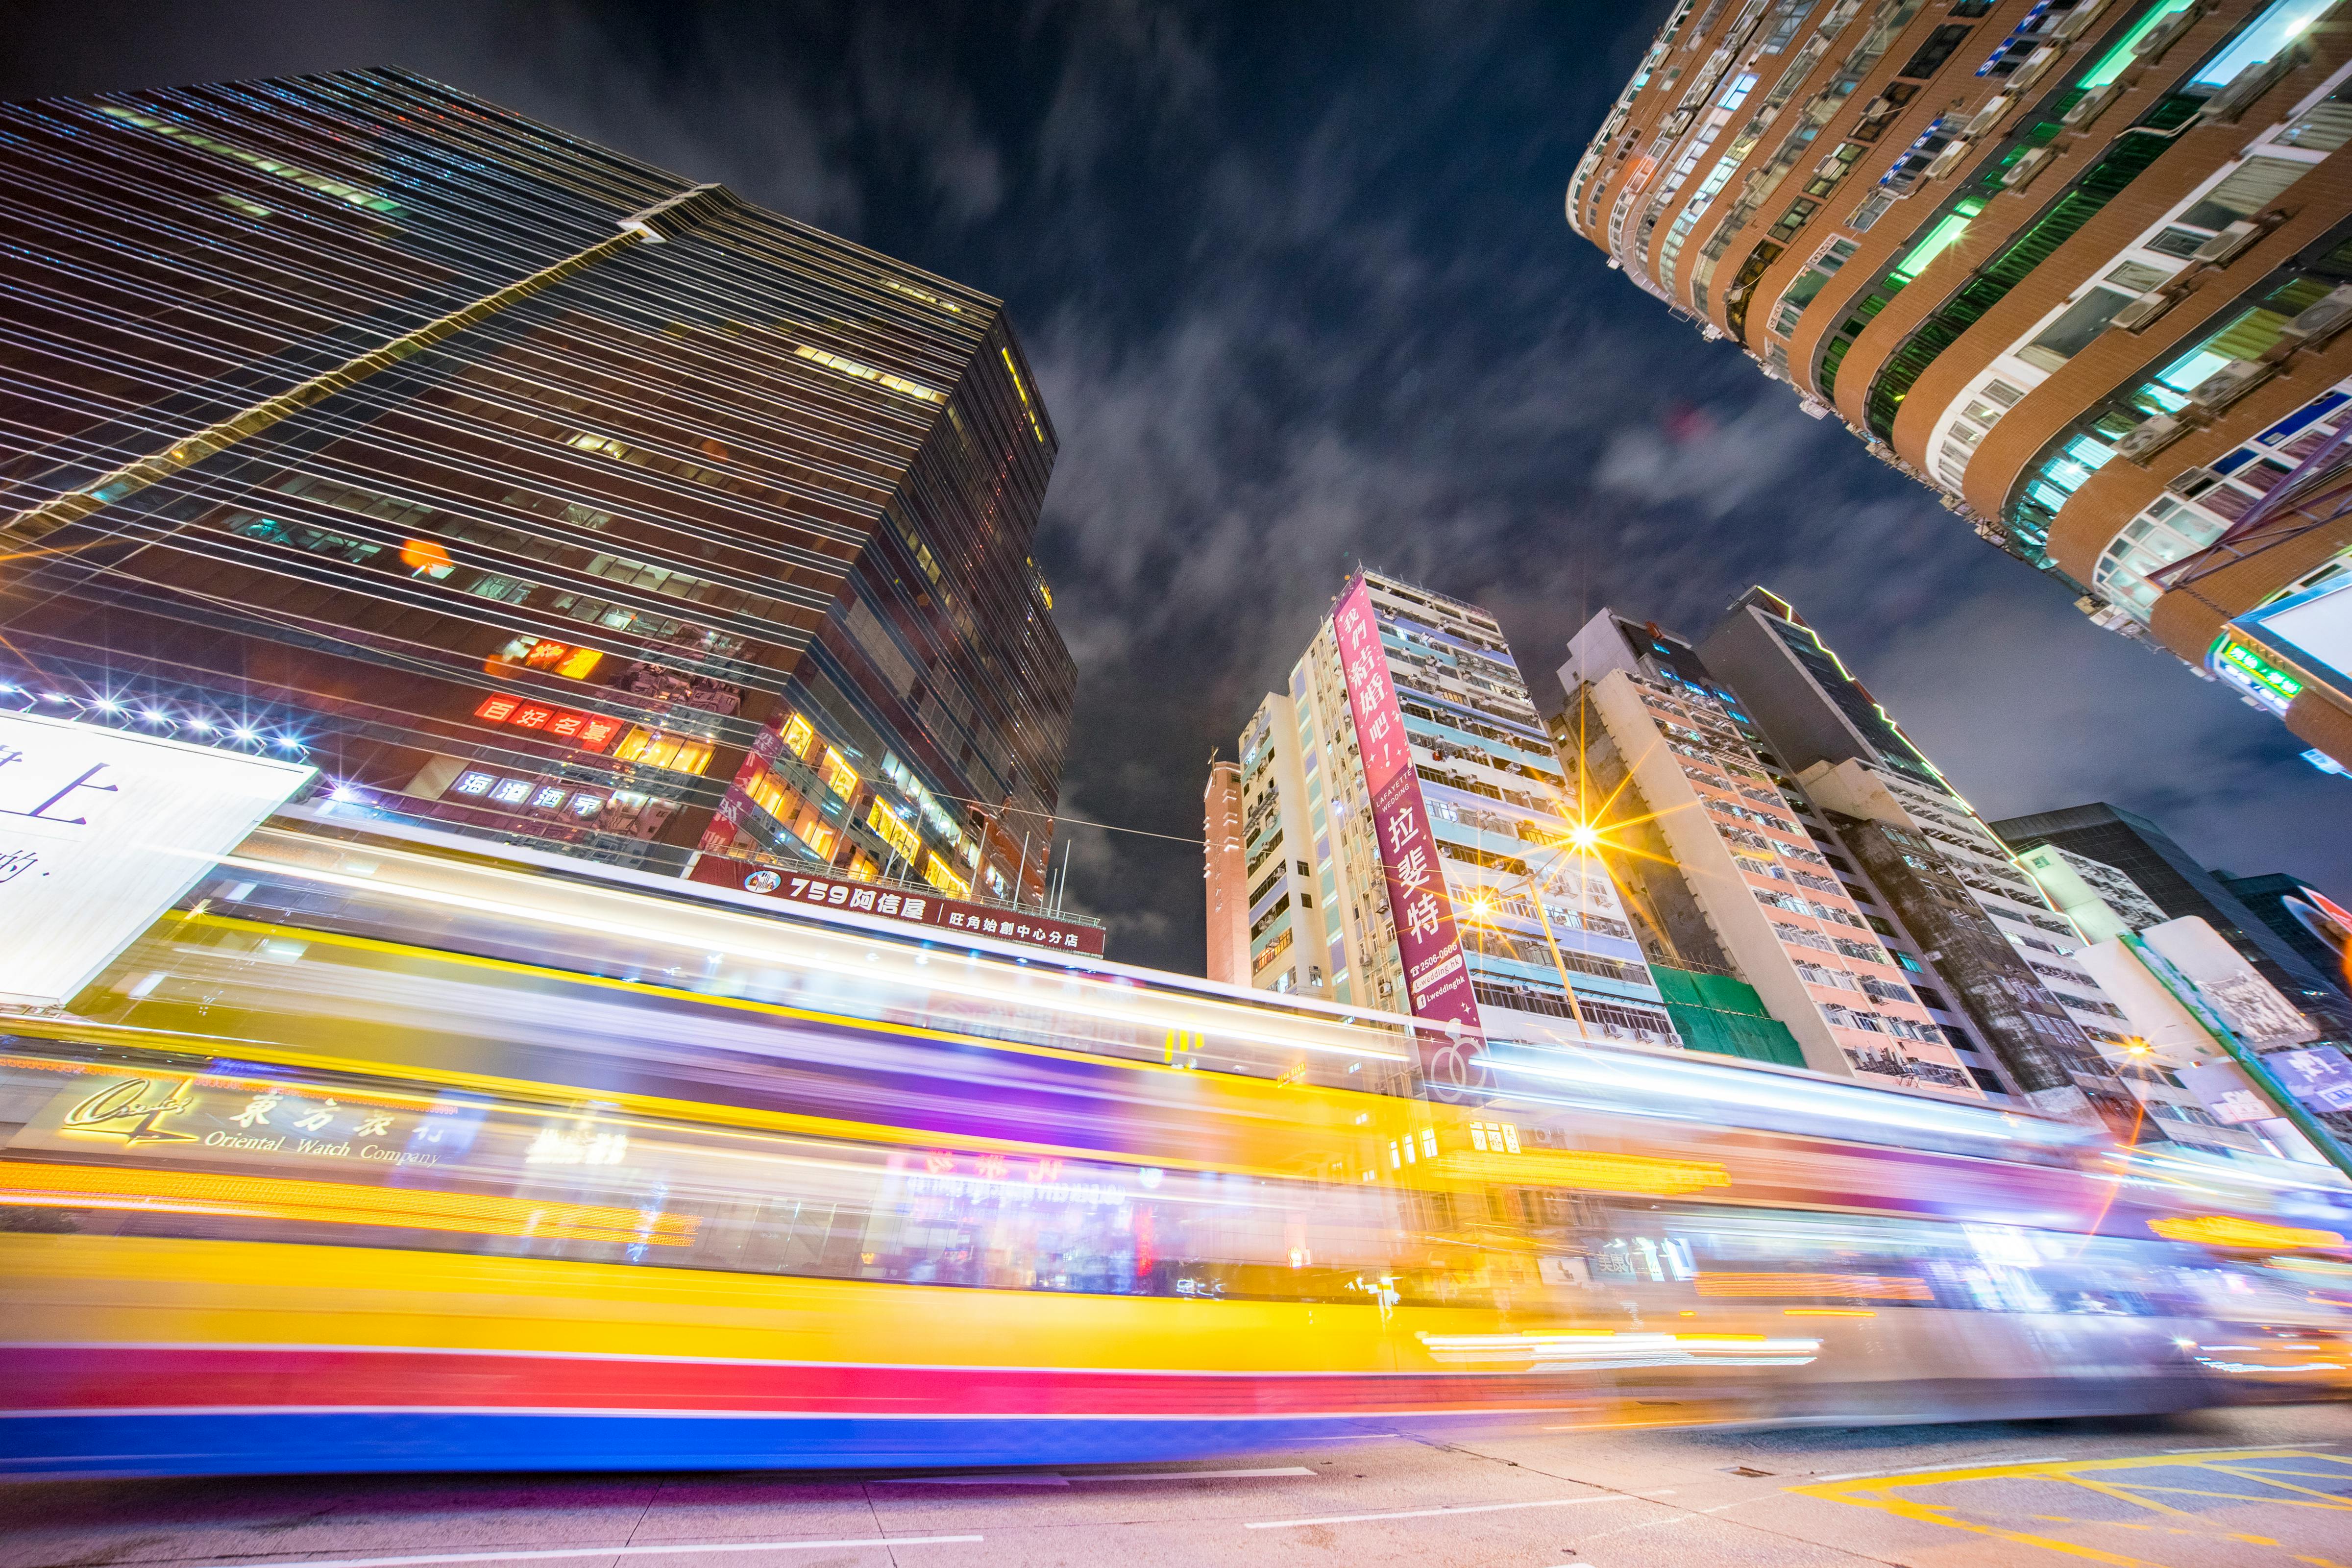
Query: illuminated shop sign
{"points": [[2273, 652], [100, 832], [1437, 978], [832, 892], [589, 731]]}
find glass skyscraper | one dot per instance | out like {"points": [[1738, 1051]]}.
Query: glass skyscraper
{"points": [[524, 486]]}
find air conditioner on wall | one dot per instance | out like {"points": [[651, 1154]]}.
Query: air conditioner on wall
{"points": [[2091, 105], [2192, 481], [2250, 84], [2218, 249], [2152, 47], [2321, 321], [2022, 173], [2037, 65], [2074, 23], [2153, 435], [2136, 315], [1994, 112], [2231, 383], [1948, 160]]}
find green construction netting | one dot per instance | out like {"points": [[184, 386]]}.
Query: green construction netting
{"points": [[1716, 1013]]}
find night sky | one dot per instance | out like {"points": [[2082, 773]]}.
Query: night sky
{"points": [[1297, 286]]}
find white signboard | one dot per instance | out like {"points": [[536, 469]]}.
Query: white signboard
{"points": [[100, 832]]}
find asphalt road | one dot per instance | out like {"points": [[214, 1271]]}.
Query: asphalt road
{"points": [[2245, 1489]]}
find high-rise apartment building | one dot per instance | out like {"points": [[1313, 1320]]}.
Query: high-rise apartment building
{"points": [[2081, 265], [1722, 874], [2174, 881], [1989, 930], [1221, 869], [1410, 841], [525, 486]]}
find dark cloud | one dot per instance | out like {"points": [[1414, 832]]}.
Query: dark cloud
{"points": [[1300, 294]]}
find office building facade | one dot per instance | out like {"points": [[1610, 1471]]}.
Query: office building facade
{"points": [[2299, 915], [2081, 268], [1406, 826], [527, 488]]}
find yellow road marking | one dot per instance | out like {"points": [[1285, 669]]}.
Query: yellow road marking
{"points": [[1882, 1492]]}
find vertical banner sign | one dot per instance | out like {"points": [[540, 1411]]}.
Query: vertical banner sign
{"points": [[100, 832], [1436, 978]]}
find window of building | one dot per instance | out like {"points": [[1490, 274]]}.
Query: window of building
{"points": [[2276, 29], [2256, 184], [2075, 329], [656, 749]]}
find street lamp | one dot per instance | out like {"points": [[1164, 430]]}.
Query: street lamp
{"points": [[1583, 838]]}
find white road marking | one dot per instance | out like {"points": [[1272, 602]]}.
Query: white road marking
{"points": [[1198, 1474], [1021, 1481], [1404, 1513], [2239, 1447], [525, 1556], [1945, 1465], [1054, 1478]]}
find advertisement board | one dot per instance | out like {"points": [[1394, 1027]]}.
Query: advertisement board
{"points": [[1437, 980], [100, 832], [830, 890], [2319, 1076]]}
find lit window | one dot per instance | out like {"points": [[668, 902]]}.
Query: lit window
{"points": [[656, 749], [936, 872], [897, 383], [839, 777], [473, 783], [425, 558], [895, 832], [589, 442], [798, 733], [2261, 39]]}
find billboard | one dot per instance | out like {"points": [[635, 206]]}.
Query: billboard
{"points": [[832, 889], [100, 832], [2319, 1076], [1437, 980]]}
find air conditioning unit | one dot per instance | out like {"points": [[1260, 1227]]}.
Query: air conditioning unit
{"points": [[2152, 437], [2037, 65], [1994, 112], [2321, 322], [2022, 173], [1948, 160], [2136, 315], [2152, 47], [2073, 25], [2192, 481], [2218, 250], [2231, 383], [2091, 105], [2225, 106]]}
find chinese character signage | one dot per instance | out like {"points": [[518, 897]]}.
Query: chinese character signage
{"points": [[100, 832], [830, 890], [2319, 1076], [1436, 978]]}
